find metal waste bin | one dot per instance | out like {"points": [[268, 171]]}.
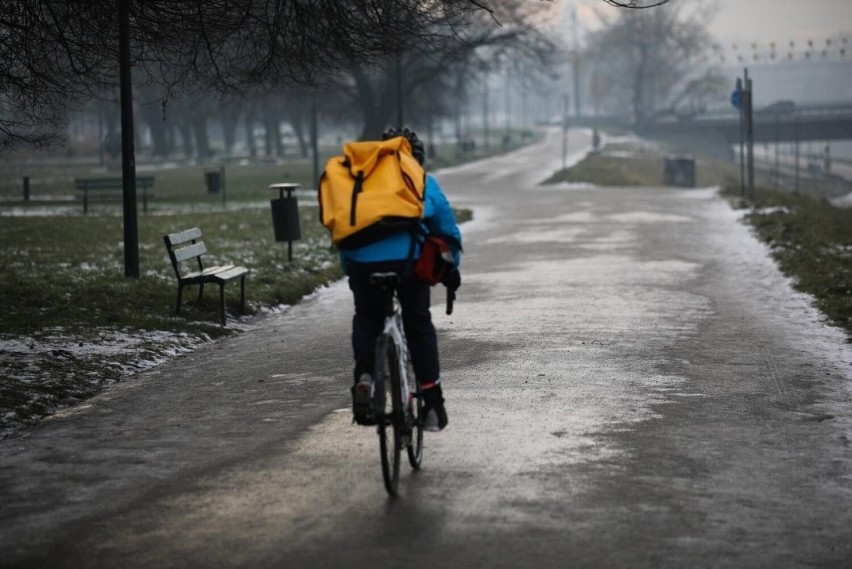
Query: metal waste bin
{"points": [[680, 171], [214, 181], [285, 215]]}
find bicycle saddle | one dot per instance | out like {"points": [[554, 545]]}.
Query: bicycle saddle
{"points": [[384, 279]]}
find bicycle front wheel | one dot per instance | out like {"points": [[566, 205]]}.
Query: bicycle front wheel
{"points": [[388, 402]]}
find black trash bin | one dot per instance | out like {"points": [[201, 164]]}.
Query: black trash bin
{"points": [[680, 171], [285, 216], [214, 181]]}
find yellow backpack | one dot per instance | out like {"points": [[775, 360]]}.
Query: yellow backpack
{"points": [[376, 188]]}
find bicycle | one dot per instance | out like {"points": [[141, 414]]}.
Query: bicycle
{"points": [[400, 416]]}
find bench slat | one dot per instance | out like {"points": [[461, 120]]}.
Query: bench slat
{"points": [[190, 251], [231, 273], [208, 271], [111, 183], [216, 274], [184, 236]]}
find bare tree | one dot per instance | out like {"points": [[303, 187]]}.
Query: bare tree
{"points": [[427, 79], [54, 54], [639, 4], [654, 64]]}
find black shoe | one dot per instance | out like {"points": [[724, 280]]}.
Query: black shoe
{"points": [[362, 401], [434, 413]]}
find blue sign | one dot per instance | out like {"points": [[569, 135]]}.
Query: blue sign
{"points": [[737, 95]]}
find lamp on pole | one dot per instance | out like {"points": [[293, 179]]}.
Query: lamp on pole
{"points": [[485, 110]]}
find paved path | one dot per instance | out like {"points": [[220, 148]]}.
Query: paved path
{"points": [[631, 383]]}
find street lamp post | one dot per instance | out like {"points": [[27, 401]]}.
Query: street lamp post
{"points": [[565, 132], [128, 152]]}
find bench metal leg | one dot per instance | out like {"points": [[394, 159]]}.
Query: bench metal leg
{"points": [[200, 291], [242, 294], [179, 298], [222, 301]]}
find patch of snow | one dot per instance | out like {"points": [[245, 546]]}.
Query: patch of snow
{"points": [[795, 311], [115, 352], [567, 186], [277, 309], [562, 235], [109, 343], [770, 210], [621, 154], [575, 217], [842, 201], [43, 211], [649, 217]]}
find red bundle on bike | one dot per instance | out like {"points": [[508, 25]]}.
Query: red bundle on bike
{"points": [[436, 258]]}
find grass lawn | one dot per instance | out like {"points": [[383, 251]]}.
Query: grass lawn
{"points": [[69, 270], [53, 184], [72, 322], [619, 164], [811, 240]]}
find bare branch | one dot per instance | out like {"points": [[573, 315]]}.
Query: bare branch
{"points": [[637, 4], [57, 53]]}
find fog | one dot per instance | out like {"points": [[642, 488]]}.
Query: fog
{"points": [[780, 21]]}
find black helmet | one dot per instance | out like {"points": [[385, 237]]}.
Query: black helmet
{"points": [[418, 150]]}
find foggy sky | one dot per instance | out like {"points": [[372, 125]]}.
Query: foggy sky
{"points": [[748, 21], [781, 20]]}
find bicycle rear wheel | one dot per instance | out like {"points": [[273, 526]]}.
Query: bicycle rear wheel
{"points": [[389, 405]]}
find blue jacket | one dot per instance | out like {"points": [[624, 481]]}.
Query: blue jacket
{"points": [[438, 218]]}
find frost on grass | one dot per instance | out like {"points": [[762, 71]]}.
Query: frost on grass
{"points": [[41, 375]]}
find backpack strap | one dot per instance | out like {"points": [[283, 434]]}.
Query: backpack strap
{"points": [[357, 188], [416, 231]]}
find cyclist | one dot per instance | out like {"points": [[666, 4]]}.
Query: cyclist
{"points": [[392, 254]]}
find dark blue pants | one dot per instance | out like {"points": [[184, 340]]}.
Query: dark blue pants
{"points": [[368, 321]]}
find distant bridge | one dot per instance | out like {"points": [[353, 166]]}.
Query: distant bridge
{"points": [[717, 132]]}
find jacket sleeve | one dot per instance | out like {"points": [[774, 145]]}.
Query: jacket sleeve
{"points": [[439, 217]]}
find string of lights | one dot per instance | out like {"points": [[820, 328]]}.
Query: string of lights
{"points": [[829, 49]]}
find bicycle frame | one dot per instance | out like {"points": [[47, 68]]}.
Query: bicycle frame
{"points": [[394, 329], [400, 424], [398, 406]]}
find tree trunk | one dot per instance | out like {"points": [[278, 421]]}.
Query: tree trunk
{"points": [[296, 115], [186, 137], [378, 112], [153, 113], [250, 118], [230, 116], [457, 118], [202, 139], [269, 129]]}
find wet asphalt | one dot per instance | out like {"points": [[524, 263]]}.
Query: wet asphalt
{"points": [[630, 383]]}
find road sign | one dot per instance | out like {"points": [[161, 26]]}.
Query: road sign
{"points": [[737, 95]]}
